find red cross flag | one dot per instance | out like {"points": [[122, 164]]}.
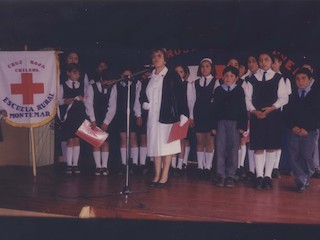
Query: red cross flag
{"points": [[28, 87]]}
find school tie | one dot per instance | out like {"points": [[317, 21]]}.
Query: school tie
{"points": [[205, 82], [264, 77], [303, 94], [229, 88], [73, 85]]}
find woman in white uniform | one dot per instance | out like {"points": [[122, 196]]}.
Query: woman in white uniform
{"points": [[165, 103]]}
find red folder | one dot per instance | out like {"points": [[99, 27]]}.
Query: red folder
{"points": [[178, 132], [96, 137]]}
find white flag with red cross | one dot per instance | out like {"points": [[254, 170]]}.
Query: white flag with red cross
{"points": [[29, 87]]}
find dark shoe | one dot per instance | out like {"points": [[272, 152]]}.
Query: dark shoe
{"points": [[276, 173], [75, 170], [220, 182], [229, 183], [206, 174], [267, 183], [300, 187], [97, 172], [258, 183], [69, 170], [152, 184], [250, 178], [144, 170], [105, 171], [200, 173], [162, 185], [316, 174]]}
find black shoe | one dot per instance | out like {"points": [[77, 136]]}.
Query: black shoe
{"points": [[69, 170], [300, 187], [258, 183], [162, 185], [250, 178], [134, 169], [220, 182], [316, 174], [206, 174], [152, 184], [200, 173], [75, 170], [104, 171], [276, 173], [229, 183], [97, 172], [267, 183]]}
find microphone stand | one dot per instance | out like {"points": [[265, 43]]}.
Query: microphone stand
{"points": [[126, 190]]}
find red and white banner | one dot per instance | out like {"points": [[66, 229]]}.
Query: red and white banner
{"points": [[29, 87]]}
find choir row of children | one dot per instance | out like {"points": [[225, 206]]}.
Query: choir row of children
{"points": [[244, 106]]}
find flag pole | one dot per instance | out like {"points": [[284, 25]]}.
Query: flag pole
{"points": [[33, 150]]}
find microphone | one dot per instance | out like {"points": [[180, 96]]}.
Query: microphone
{"points": [[148, 66]]}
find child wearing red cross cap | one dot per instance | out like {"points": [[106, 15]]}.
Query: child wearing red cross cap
{"points": [[72, 114]]}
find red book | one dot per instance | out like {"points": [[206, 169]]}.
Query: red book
{"points": [[96, 137], [178, 132]]}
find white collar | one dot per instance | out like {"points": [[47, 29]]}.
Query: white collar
{"points": [[162, 73]]}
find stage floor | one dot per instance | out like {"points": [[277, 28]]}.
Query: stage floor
{"points": [[186, 199]]}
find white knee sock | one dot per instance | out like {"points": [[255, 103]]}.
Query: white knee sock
{"points": [[69, 153], [209, 159], [180, 162], [123, 152], [97, 158], [270, 160], [143, 155], [64, 151], [105, 157], [277, 159], [174, 161], [75, 156], [200, 157], [243, 155], [186, 155], [134, 152], [239, 157], [259, 160], [252, 165]]}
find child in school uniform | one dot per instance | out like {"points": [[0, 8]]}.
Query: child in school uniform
{"points": [[230, 120], [121, 118], [315, 83], [253, 67], [101, 65], [276, 67], [72, 57], [302, 117], [201, 93], [72, 115], [266, 95], [241, 173], [101, 104], [177, 167]]}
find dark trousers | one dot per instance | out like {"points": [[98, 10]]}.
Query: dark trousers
{"points": [[227, 145], [301, 155]]}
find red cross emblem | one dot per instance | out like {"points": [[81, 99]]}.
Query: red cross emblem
{"points": [[27, 88]]}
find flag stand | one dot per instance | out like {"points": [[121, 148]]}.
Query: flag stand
{"points": [[33, 153]]}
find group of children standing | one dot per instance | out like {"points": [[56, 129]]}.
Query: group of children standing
{"points": [[252, 106]]}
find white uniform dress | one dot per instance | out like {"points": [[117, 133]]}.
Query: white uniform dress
{"points": [[158, 133]]}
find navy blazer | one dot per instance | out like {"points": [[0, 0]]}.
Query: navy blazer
{"points": [[173, 101]]}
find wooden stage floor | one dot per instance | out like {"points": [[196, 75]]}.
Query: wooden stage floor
{"points": [[186, 199]]}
